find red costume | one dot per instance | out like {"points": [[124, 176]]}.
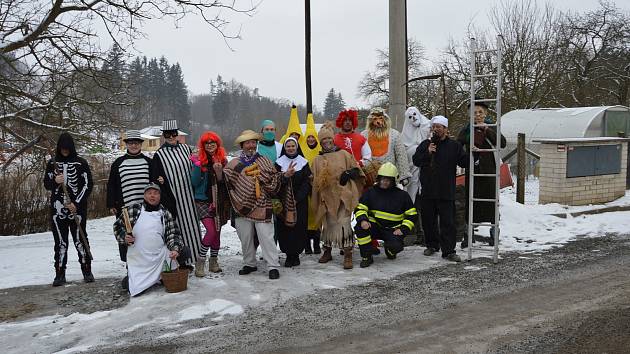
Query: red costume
{"points": [[354, 143]]}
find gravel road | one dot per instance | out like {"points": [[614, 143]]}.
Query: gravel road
{"points": [[572, 299]]}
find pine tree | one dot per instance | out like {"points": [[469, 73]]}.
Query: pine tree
{"points": [[178, 105], [329, 112], [333, 104]]}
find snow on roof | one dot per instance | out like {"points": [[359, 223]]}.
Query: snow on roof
{"points": [[552, 123]]}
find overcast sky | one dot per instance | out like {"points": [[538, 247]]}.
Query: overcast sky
{"points": [[345, 35]]}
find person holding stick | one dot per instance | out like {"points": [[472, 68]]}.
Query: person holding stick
{"points": [[152, 237], [69, 179]]}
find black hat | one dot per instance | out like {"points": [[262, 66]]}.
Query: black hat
{"points": [[481, 104]]}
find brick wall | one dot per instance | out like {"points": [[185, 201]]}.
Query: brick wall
{"points": [[555, 187]]}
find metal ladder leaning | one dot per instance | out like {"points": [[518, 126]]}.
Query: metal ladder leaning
{"points": [[495, 151]]}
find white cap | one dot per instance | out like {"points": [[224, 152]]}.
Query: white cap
{"points": [[440, 120]]}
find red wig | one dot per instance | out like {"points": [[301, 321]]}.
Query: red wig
{"points": [[348, 113], [219, 155]]}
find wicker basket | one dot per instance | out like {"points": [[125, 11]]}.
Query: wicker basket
{"points": [[176, 280]]}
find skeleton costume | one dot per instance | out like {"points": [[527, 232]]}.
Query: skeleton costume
{"points": [[78, 180]]}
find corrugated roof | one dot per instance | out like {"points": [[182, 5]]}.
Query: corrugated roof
{"points": [[551, 123]]}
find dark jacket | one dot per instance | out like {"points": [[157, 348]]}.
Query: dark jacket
{"points": [[293, 239], [437, 173], [390, 208], [484, 163], [78, 177]]}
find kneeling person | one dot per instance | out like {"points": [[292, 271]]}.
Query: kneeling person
{"points": [[386, 213], [155, 239]]}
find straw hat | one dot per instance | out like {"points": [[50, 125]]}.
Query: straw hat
{"points": [[247, 135]]}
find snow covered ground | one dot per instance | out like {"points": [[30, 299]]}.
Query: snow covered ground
{"points": [[27, 260]]}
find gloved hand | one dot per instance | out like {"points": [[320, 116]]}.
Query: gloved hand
{"points": [[404, 181], [345, 177], [354, 173]]}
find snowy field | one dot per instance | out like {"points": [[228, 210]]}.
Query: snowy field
{"points": [[27, 260]]}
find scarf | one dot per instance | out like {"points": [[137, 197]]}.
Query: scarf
{"points": [[247, 160]]}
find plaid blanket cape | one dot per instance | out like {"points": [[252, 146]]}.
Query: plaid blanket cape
{"points": [[243, 183]]}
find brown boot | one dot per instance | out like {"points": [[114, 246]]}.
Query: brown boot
{"points": [[327, 256], [213, 265], [200, 272], [347, 258]]}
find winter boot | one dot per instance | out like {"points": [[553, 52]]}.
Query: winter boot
{"points": [[213, 265], [200, 266], [316, 248], [390, 254], [86, 269], [347, 258], [327, 256], [366, 259], [289, 261], [60, 277]]}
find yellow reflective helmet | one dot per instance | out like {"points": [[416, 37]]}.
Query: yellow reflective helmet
{"points": [[388, 169]]}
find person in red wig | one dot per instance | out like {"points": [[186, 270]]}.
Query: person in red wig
{"points": [[354, 143], [211, 197]]}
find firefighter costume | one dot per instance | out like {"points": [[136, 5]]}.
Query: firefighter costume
{"points": [[390, 214]]}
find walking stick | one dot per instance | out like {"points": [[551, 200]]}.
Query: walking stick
{"points": [[128, 228], [77, 220]]}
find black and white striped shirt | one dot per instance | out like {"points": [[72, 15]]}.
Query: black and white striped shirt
{"points": [[128, 176]]}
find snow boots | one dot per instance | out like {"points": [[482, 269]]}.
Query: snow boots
{"points": [[366, 261], [60, 277], [327, 256], [199, 267], [347, 258], [213, 265], [86, 269], [292, 260]]}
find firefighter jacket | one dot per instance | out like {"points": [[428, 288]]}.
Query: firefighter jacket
{"points": [[389, 208]]}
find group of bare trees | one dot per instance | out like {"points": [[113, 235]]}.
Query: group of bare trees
{"points": [[551, 59], [52, 63]]}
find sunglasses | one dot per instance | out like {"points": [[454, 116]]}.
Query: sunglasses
{"points": [[169, 134], [211, 142]]}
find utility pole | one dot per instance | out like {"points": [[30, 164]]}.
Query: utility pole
{"points": [[397, 61], [307, 55]]}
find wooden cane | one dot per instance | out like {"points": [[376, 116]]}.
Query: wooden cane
{"points": [[128, 228]]}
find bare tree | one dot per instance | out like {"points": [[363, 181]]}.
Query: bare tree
{"points": [[50, 58], [597, 65], [374, 84]]}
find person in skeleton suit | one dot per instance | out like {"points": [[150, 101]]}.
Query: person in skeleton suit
{"points": [[69, 179]]}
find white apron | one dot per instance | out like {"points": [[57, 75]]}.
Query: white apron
{"points": [[145, 258]]}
